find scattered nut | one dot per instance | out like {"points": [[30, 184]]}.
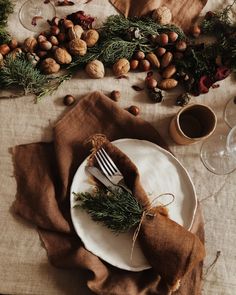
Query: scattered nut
{"points": [[1, 60], [15, 52], [115, 95], [173, 36], [45, 45], [152, 58], [121, 67], [162, 15], [75, 32], [55, 21], [77, 47], [33, 58], [62, 56], [169, 72], [151, 82], [50, 66], [166, 59], [134, 64], [13, 44], [55, 30], [160, 51], [181, 45], [91, 37], [134, 110], [144, 65], [30, 44], [4, 49], [67, 24], [163, 39], [41, 38], [95, 69], [139, 55], [68, 100], [167, 84], [53, 40]]}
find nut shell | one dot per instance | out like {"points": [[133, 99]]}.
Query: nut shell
{"points": [[166, 59], [169, 72], [91, 37], [50, 66], [134, 110], [13, 43], [153, 59], [134, 64], [162, 15], [30, 44], [121, 67], [75, 32], [45, 45], [62, 56], [77, 47], [95, 69], [167, 84]]}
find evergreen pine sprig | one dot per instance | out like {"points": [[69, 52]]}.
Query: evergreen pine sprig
{"points": [[20, 72], [116, 209], [6, 8]]}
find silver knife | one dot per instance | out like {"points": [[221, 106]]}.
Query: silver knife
{"points": [[100, 176]]}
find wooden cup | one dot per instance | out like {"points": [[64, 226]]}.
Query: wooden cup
{"points": [[192, 123]]}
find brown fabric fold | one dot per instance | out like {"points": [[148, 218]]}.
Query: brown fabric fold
{"points": [[184, 12], [44, 172]]}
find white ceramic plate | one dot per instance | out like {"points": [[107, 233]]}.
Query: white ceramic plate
{"points": [[160, 172]]}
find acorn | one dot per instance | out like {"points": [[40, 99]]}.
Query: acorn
{"points": [[54, 30], [163, 39], [13, 44], [151, 82], [134, 63], [45, 45], [160, 51], [41, 38], [134, 110], [139, 55], [53, 40], [68, 100], [144, 65], [4, 49]]}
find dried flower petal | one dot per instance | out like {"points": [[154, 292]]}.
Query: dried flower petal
{"points": [[65, 3], [34, 20], [80, 18]]}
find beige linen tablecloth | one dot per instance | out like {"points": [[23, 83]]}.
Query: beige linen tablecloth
{"points": [[24, 268]]}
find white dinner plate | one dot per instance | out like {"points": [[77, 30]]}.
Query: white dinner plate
{"points": [[160, 172]]}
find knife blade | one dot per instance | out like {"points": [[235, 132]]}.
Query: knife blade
{"points": [[94, 171]]}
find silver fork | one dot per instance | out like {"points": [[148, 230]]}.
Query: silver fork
{"points": [[110, 169]]}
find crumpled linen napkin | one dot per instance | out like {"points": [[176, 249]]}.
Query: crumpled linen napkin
{"points": [[44, 172], [184, 12]]}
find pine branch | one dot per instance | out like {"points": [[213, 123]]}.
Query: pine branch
{"points": [[117, 209]]}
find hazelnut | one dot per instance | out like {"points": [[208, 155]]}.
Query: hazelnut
{"points": [[151, 82], [121, 67], [91, 37], [41, 38], [30, 44], [134, 110], [32, 58], [45, 45], [50, 66], [162, 15], [173, 36], [77, 47], [144, 65], [53, 40], [95, 69], [55, 30], [163, 39], [195, 31], [42, 53], [160, 51], [181, 45], [67, 23], [62, 56], [68, 100], [75, 32], [134, 64], [13, 43], [139, 55], [15, 52], [115, 95], [4, 49]]}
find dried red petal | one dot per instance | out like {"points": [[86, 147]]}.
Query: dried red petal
{"points": [[204, 84], [215, 86], [221, 73], [65, 3], [34, 20], [80, 18]]}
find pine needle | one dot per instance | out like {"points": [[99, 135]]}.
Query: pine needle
{"points": [[117, 209]]}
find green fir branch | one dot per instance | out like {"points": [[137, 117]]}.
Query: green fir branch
{"points": [[117, 209]]}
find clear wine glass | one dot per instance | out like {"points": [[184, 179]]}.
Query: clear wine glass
{"points": [[218, 153], [34, 14], [230, 112]]}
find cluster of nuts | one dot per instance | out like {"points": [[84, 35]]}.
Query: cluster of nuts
{"points": [[11, 48]]}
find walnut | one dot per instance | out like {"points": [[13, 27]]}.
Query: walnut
{"points": [[95, 69], [50, 66], [162, 15], [75, 32], [62, 56], [30, 44], [121, 67], [91, 37], [77, 47]]}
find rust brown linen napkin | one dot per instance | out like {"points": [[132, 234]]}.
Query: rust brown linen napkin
{"points": [[44, 172], [184, 12]]}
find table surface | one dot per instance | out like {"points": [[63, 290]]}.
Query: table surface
{"points": [[24, 268]]}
